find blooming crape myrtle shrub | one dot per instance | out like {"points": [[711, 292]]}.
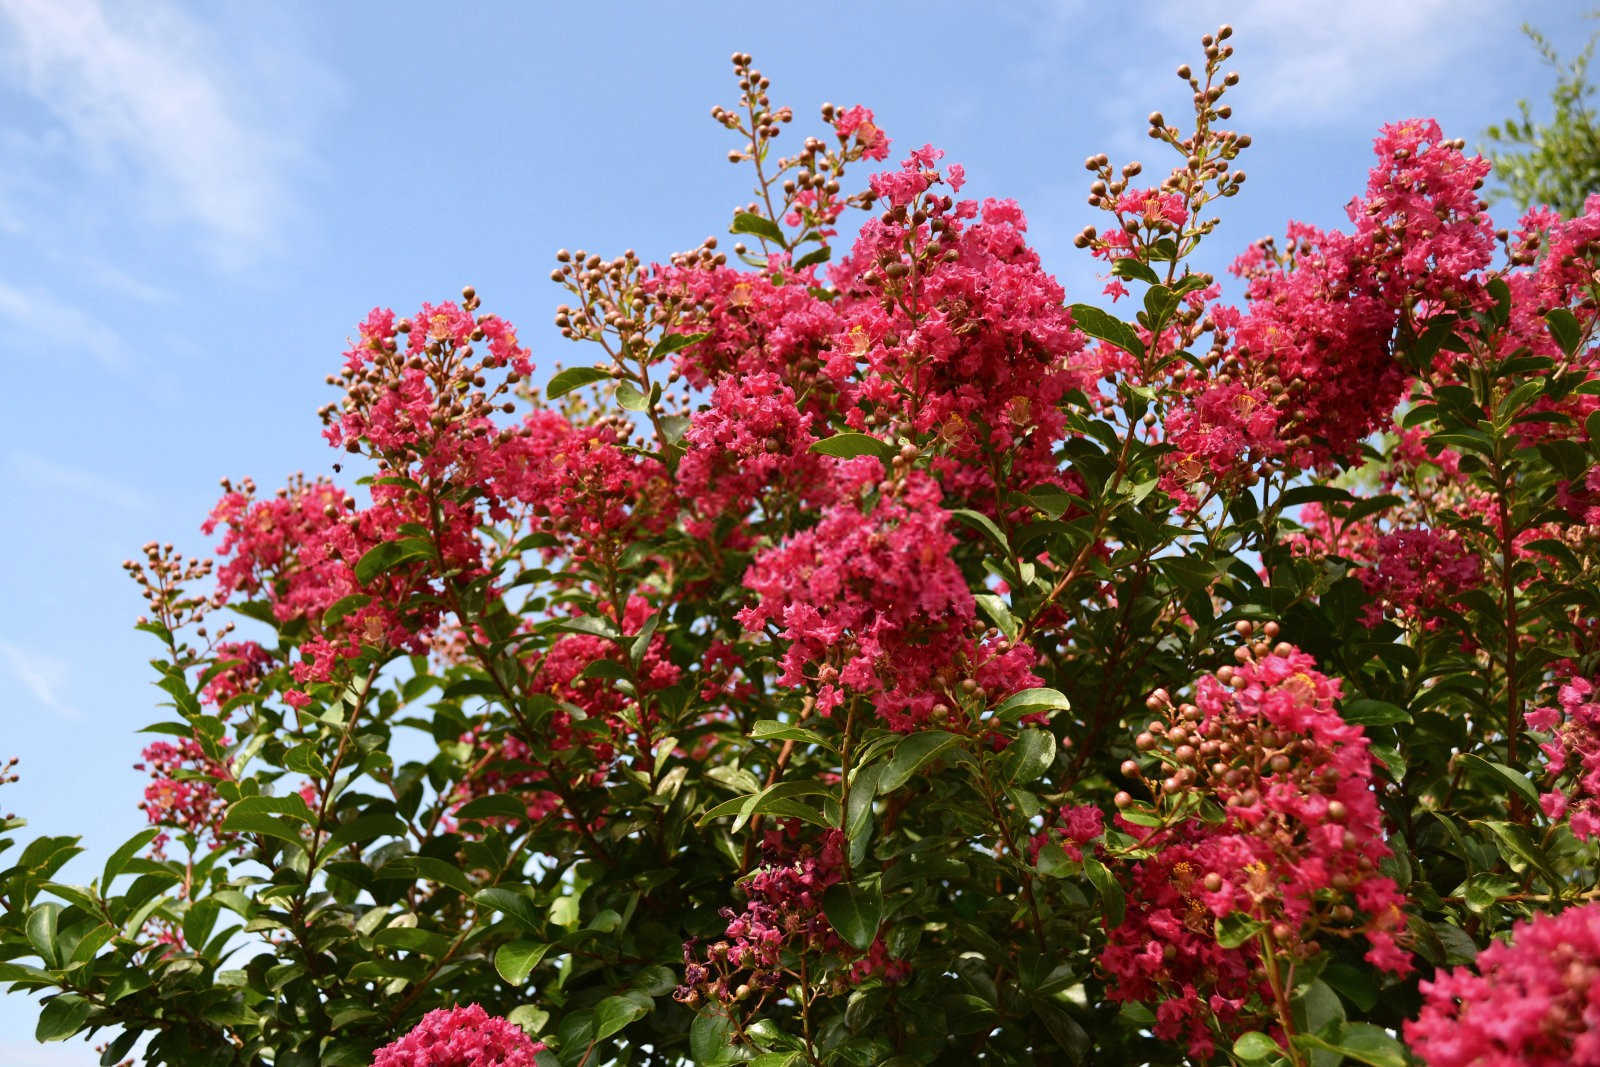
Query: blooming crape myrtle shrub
{"points": [[872, 657]]}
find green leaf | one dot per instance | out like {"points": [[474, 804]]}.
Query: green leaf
{"points": [[41, 929], [1235, 929], [1499, 775], [641, 640], [758, 225], [494, 806], [573, 378], [613, 1013], [518, 905], [982, 522], [1112, 897], [1029, 756], [814, 257], [1362, 1042], [265, 815], [631, 399], [515, 960], [1135, 270], [342, 607], [708, 1037], [911, 753], [1255, 1047], [1306, 494], [1564, 328], [305, 760], [1096, 323], [1373, 713], [674, 342], [426, 867], [119, 859], [362, 829], [854, 912], [61, 1018], [1030, 701], [772, 730], [1515, 842], [849, 444], [391, 554], [994, 606]]}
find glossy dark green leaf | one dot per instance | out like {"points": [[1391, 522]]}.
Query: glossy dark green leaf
{"points": [[850, 444], [1564, 329], [1255, 1047], [614, 1013], [757, 225], [1031, 701], [675, 342], [855, 912], [1497, 776], [118, 860], [389, 555], [1096, 323], [572, 378], [911, 754], [1373, 713], [1029, 756], [1235, 929], [61, 1018], [515, 960], [1362, 1042]]}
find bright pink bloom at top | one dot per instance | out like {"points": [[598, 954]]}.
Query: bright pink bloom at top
{"points": [[1533, 1001], [461, 1037]]}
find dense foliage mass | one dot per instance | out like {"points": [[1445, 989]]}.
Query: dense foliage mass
{"points": [[874, 658]]}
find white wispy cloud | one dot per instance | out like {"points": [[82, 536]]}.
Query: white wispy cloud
{"points": [[37, 318], [42, 675], [149, 94], [59, 477], [1310, 62]]}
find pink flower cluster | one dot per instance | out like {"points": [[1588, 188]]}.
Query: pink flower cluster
{"points": [[247, 662], [954, 328], [182, 794], [1297, 850], [1573, 750], [1415, 574], [1076, 825], [1308, 369], [783, 914], [857, 122], [299, 550], [871, 604], [461, 1037], [1532, 1001], [577, 483], [751, 445]]}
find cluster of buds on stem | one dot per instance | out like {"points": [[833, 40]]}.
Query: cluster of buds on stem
{"points": [[166, 578]]}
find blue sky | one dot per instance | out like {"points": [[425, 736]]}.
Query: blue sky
{"points": [[199, 201]]}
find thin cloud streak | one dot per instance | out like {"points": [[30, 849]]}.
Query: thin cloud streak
{"points": [[45, 321], [143, 88], [1314, 62], [42, 675], [59, 477]]}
